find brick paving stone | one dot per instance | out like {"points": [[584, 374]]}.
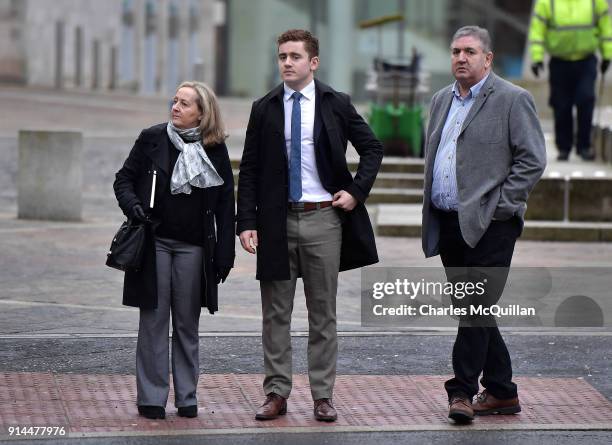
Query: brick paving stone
{"points": [[106, 403]]}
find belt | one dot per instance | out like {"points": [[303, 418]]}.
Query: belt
{"points": [[307, 206]]}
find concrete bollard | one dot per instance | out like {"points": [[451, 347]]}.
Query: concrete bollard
{"points": [[50, 178]]}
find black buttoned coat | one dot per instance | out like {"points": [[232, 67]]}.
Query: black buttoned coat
{"points": [[263, 180], [150, 156]]}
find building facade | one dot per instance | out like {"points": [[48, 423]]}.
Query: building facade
{"points": [[144, 46], [149, 46]]}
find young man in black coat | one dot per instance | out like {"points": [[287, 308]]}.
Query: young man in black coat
{"points": [[302, 212]]}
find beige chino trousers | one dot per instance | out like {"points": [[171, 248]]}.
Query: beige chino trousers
{"points": [[314, 240]]}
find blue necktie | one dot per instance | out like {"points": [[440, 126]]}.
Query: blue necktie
{"points": [[295, 163]]}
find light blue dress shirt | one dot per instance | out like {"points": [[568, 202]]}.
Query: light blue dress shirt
{"points": [[444, 194]]}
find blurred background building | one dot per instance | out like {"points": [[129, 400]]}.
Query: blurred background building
{"points": [[143, 46], [148, 46]]}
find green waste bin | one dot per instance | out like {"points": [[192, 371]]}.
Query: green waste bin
{"points": [[399, 128]]}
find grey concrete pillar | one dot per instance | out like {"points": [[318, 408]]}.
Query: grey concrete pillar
{"points": [[139, 44], [113, 67], [183, 37], [59, 54], [96, 65], [207, 35], [198, 70], [162, 46], [49, 182], [78, 56], [339, 57], [221, 43]]}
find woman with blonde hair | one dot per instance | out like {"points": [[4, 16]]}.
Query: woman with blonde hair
{"points": [[178, 178]]}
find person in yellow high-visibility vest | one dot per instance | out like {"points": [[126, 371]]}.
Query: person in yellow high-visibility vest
{"points": [[571, 31]]}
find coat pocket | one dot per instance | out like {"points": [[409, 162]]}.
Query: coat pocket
{"points": [[490, 131], [493, 193]]}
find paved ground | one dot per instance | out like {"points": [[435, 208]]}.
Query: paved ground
{"points": [[54, 282], [266, 437], [389, 388], [60, 312], [583, 357], [89, 405]]}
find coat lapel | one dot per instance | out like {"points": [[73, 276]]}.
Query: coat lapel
{"points": [[318, 122], [277, 117], [437, 132], [444, 107], [485, 92], [324, 115], [159, 152]]}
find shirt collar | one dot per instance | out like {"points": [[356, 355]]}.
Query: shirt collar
{"points": [[474, 90], [308, 91]]}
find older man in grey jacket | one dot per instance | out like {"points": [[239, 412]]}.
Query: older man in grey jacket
{"points": [[484, 152]]}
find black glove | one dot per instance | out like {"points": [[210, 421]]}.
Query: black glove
{"points": [[605, 64], [536, 68], [137, 213], [222, 272]]}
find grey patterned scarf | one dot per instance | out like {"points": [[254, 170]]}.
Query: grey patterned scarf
{"points": [[193, 167]]}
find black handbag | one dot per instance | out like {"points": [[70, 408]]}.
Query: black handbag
{"points": [[127, 248]]}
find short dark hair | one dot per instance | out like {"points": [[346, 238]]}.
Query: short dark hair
{"points": [[475, 31], [311, 43]]}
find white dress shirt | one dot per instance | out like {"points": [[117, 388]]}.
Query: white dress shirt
{"points": [[312, 190]]}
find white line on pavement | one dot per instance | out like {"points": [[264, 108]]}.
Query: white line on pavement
{"points": [[408, 332], [130, 309], [351, 429]]}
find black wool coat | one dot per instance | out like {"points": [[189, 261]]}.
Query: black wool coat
{"points": [[150, 156], [263, 184]]}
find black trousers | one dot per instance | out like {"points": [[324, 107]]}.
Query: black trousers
{"points": [[572, 83], [479, 349]]}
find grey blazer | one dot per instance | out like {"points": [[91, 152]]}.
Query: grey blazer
{"points": [[500, 157]]}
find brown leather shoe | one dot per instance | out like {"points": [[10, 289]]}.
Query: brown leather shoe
{"points": [[487, 404], [273, 406], [324, 410], [460, 409]]}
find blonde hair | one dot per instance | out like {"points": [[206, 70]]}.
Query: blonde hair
{"points": [[211, 125]]}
